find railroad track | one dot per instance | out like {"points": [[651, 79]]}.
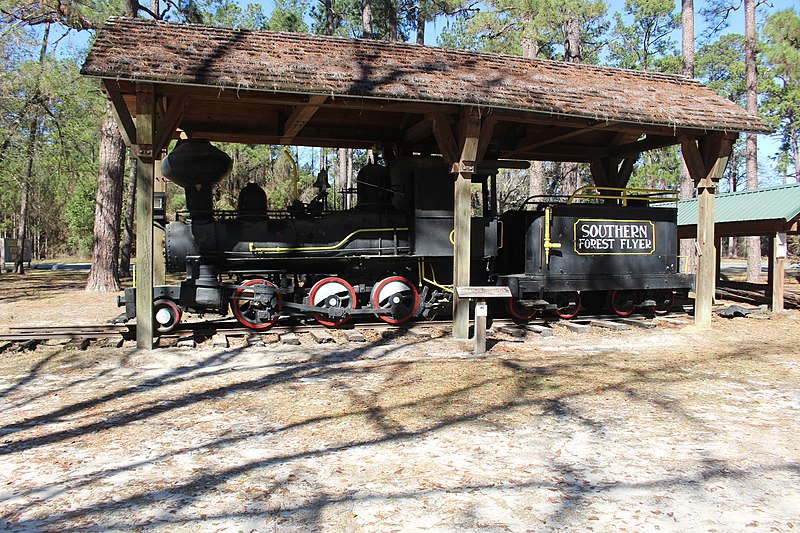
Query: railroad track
{"points": [[190, 334]]}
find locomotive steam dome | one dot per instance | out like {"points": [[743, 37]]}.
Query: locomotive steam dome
{"points": [[196, 162]]}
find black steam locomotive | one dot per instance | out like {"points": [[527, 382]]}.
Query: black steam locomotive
{"points": [[391, 255]]}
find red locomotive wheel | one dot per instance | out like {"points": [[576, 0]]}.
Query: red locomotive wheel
{"points": [[246, 308], [332, 292], [397, 295], [623, 302], [166, 316], [519, 312], [665, 299], [568, 304]]}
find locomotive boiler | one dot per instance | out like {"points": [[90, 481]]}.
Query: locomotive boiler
{"points": [[391, 254]]}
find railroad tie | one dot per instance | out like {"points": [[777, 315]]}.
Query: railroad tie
{"points": [[321, 336], [574, 326], [290, 339], [353, 335], [609, 324], [543, 331]]}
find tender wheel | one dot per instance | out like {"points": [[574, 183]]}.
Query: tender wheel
{"points": [[397, 295], [252, 308], [166, 316], [568, 304], [332, 293], [665, 299], [623, 302], [519, 312]]}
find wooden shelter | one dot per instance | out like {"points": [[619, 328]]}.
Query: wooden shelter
{"points": [[472, 108], [773, 212]]}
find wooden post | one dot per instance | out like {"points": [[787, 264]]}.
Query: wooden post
{"points": [[480, 295], [706, 257], [718, 265], [706, 164], [778, 255], [481, 312], [145, 107], [464, 168], [770, 265]]}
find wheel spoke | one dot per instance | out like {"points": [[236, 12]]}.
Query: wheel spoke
{"points": [[623, 302], [396, 295], [332, 293], [254, 312]]}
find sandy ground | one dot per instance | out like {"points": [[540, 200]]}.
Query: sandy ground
{"points": [[672, 429]]}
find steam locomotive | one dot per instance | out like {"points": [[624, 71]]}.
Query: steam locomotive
{"points": [[391, 254]]}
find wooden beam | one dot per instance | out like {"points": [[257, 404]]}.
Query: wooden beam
{"points": [[300, 116], [706, 169], [625, 170], [778, 268], [469, 137], [145, 132], [526, 146], [419, 131], [599, 169], [693, 159], [122, 115], [169, 123], [443, 133], [487, 132], [560, 152], [650, 142]]}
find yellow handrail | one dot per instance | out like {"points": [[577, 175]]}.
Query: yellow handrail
{"points": [[255, 249], [659, 195]]}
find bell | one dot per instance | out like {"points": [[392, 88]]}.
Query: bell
{"points": [[322, 180]]}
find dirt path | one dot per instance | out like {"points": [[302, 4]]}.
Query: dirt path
{"points": [[672, 429]]}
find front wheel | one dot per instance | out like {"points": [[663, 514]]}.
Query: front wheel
{"points": [[166, 316]]}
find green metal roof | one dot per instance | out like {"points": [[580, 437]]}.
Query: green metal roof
{"points": [[772, 203]]}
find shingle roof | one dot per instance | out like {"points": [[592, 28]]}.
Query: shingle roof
{"points": [[773, 203], [187, 54]]}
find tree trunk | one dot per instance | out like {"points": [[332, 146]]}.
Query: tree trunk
{"points": [[105, 244], [341, 177], [351, 198], [30, 153], [687, 186], [330, 25], [536, 181], [125, 251], [22, 230], [391, 20], [793, 136], [366, 18], [572, 39], [421, 19], [753, 243], [572, 54]]}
